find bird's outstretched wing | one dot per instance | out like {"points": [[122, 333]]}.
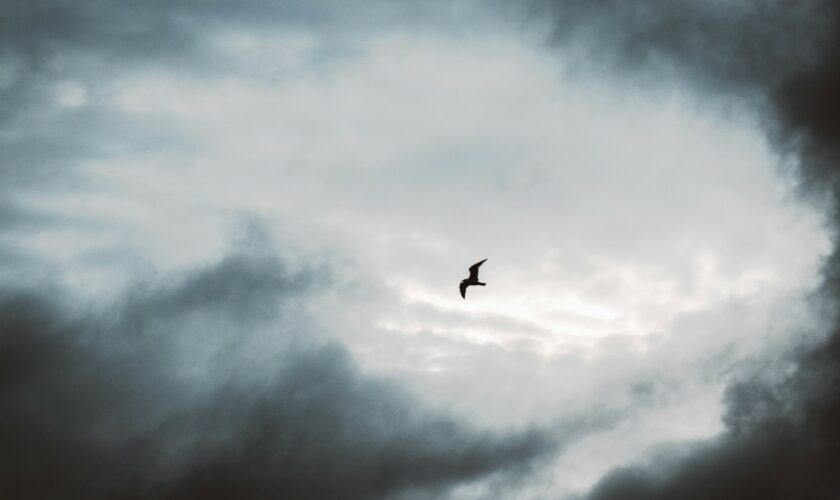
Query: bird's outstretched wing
{"points": [[474, 270], [463, 287]]}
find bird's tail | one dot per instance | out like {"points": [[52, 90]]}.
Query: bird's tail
{"points": [[481, 284]]}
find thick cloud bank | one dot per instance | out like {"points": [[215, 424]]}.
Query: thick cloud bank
{"points": [[782, 439], [101, 404]]}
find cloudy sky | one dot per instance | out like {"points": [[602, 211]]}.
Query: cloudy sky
{"points": [[231, 236]]}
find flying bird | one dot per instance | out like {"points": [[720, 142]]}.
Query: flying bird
{"points": [[472, 280]]}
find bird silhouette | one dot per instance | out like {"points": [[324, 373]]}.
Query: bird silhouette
{"points": [[472, 280]]}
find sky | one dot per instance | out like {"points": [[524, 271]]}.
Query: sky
{"points": [[231, 237]]}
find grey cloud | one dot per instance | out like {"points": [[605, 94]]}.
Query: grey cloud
{"points": [[781, 438], [726, 45], [96, 404], [47, 42], [116, 417], [781, 442], [782, 58]]}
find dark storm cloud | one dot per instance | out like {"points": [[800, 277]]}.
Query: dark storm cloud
{"points": [[96, 404], [782, 438], [725, 44], [782, 58], [781, 442]]}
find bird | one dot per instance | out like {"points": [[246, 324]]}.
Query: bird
{"points": [[472, 280]]}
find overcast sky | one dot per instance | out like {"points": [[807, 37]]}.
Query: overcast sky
{"points": [[231, 236]]}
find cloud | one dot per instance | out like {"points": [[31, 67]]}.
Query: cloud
{"points": [[782, 436], [192, 377], [100, 404], [781, 57], [55, 57], [781, 442]]}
